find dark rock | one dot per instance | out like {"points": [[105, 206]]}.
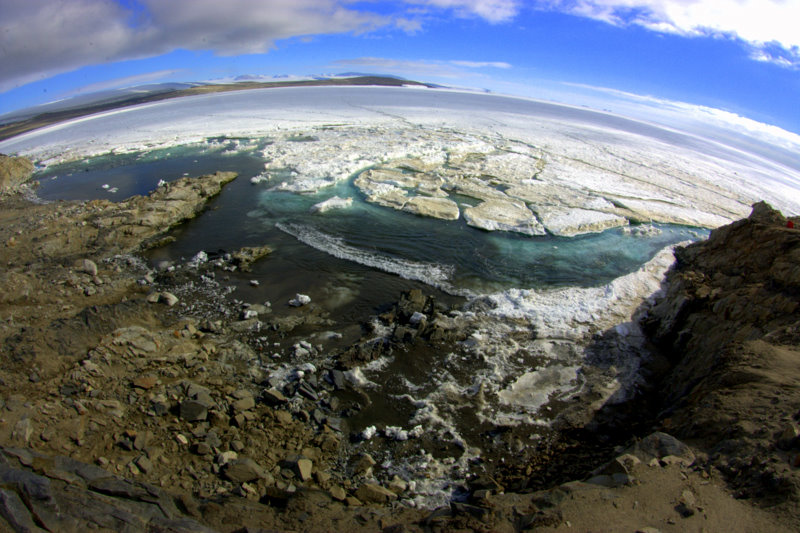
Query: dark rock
{"points": [[305, 390], [246, 256], [273, 396], [467, 509], [118, 487], [13, 509], [337, 379], [194, 410]]}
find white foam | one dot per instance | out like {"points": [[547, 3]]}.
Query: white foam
{"points": [[534, 389], [432, 274], [331, 203], [572, 313]]}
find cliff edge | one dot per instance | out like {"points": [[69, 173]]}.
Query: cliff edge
{"points": [[729, 323]]}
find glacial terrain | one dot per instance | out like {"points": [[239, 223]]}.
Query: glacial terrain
{"points": [[465, 272]]}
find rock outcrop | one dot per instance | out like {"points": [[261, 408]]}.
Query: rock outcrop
{"points": [[730, 325], [102, 228], [14, 171]]}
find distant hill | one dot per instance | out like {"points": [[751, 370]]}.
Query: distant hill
{"points": [[45, 115]]}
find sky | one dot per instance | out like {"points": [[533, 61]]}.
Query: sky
{"points": [[731, 61]]}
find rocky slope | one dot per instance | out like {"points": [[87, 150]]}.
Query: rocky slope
{"points": [[122, 409], [730, 326], [14, 171]]}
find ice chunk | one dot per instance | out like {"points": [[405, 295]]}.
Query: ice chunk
{"points": [[300, 300]]}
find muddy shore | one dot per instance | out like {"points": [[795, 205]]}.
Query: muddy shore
{"points": [[132, 399]]}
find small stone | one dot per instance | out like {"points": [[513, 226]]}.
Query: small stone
{"points": [[23, 430], [140, 441], [243, 470], [337, 493], [337, 379], [153, 297], [364, 464], [373, 493], [145, 382], [194, 410], [675, 460], [181, 438], [397, 485], [304, 467], [237, 445], [283, 417], [202, 448], [226, 457], [90, 267], [254, 283], [273, 396], [168, 298], [244, 404], [144, 464]]}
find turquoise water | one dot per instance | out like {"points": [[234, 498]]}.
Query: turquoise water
{"points": [[363, 239]]}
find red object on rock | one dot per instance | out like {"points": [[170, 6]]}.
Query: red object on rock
{"points": [[790, 224]]}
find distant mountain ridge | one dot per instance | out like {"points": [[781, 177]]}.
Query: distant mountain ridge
{"points": [[30, 119]]}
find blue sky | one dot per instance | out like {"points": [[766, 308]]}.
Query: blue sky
{"points": [[730, 59]]}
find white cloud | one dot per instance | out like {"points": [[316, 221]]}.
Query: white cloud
{"points": [[41, 38], [481, 64], [128, 81], [494, 11], [760, 23], [676, 112]]}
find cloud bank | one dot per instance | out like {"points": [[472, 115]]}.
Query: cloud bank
{"points": [[768, 27], [42, 38]]}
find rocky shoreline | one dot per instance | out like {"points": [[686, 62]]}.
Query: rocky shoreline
{"points": [[133, 400]]}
